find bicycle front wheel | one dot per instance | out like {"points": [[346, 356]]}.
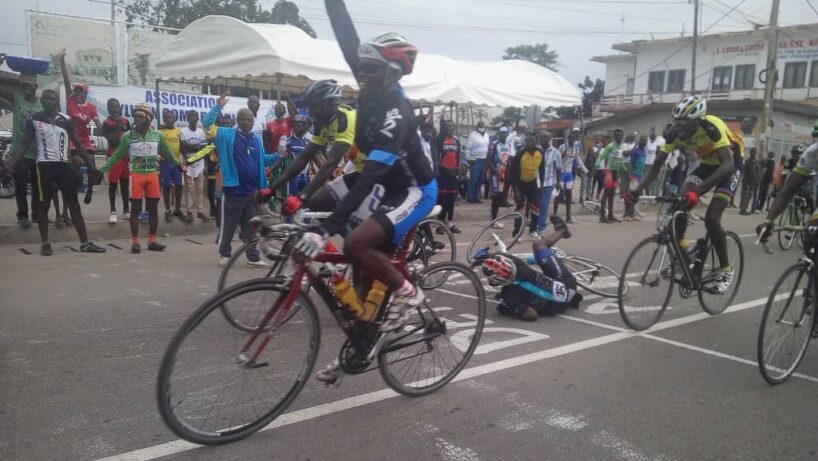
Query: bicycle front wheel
{"points": [[508, 228], [785, 325], [207, 391], [715, 303], [441, 335], [785, 238], [439, 241], [646, 284], [595, 277]]}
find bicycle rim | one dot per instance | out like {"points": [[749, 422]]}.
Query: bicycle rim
{"points": [[439, 241], [508, 228], [207, 395], [646, 284], [785, 325], [595, 277], [716, 303], [592, 206], [785, 238], [441, 335]]}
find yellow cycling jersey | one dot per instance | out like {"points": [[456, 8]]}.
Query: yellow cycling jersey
{"points": [[342, 128], [711, 135], [530, 165]]}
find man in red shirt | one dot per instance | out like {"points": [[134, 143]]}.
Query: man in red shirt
{"points": [[277, 128], [81, 113], [113, 128]]}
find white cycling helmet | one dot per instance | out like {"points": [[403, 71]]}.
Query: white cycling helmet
{"points": [[691, 107]]}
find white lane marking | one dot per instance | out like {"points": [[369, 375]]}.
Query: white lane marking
{"points": [[451, 452], [621, 449], [722, 355], [179, 446]]}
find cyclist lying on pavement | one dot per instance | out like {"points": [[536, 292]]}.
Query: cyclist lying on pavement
{"points": [[525, 293]]}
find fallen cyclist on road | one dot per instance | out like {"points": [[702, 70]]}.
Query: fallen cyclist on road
{"points": [[527, 294]]}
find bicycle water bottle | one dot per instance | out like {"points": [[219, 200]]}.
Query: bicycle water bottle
{"points": [[373, 302], [346, 294]]}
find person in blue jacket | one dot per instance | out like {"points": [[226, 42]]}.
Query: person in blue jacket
{"points": [[242, 162]]}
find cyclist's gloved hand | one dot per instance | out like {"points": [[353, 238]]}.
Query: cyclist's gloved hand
{"points": [[311, 243], [692, 198], [263, 195], [292, 204]]}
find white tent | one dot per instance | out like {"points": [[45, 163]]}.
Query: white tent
{"points": [[221, 46]]}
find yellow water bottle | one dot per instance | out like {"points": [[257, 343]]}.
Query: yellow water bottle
{"points": [[347, 295], [373, 302]]}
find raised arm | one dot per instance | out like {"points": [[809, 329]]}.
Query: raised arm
{"points": [[344, 30], [64, 69]]}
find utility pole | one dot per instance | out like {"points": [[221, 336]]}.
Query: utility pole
{"points": [[695, 46], [771, 74], [113, 11]]}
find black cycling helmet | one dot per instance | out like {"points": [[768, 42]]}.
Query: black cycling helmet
{"points": [[298, 118], [797, 149], [323, 90]]}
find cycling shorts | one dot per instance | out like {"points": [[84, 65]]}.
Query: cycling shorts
{"points": [[567, 180], [611, 179], [339, 187], [145, 185], [725, 188], [54, 176], [398, 214]]}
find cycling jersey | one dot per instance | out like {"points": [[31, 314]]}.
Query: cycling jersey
{"points": [[808, 162], [143, 150], [387, 132], [612, 157], [50, 138], [711, 135], [342, 128]]}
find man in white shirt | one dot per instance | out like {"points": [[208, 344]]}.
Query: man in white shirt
{"points": [[194, 139], [258, 120], [654, 142], [477, 146]]}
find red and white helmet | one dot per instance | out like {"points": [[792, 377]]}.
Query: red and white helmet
{"points": [[499, 269], [392, 49]]}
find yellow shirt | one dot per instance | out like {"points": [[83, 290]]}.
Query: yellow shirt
{"points": [[530, 164], [342, 128], [711, 135], [173, 138]]}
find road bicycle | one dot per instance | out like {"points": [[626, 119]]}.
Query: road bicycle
{"points": [[432, 243], [591, 275], [659, 260], [793, 217], [219, 384], [789, 320]]}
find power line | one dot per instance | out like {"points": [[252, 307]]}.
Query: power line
{"points": [[811, 6]]}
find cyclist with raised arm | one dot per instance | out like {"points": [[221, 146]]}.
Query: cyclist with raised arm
{"points": [[796, 182], [720, 152], [387, 133]]}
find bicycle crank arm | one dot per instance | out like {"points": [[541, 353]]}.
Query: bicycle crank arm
{"points": [[377, 348]]}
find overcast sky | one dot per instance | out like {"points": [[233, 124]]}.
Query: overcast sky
{"points": [[482, 29]]}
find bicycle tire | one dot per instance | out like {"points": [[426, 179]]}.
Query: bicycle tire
{"points": [[592, 206], [785, 238], [171, 395], [805, 318], [485, 234], [225, 281], [403, 340], [601, 280], [438, 228], [628, 290], [725, 301]]}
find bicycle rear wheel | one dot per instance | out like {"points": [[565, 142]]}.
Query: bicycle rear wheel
{"points": [[208, 394], [714, 303], [785, 238], [785, 325], [441, 335], [508, 228], [595, 277], [646, 283], [592, 206], [439, 241]]}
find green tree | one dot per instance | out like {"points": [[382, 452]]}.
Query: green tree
{"points": [[511, 113], [178, 14], [592, 92], [538, 54]]}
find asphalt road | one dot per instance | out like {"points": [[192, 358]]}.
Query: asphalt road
{"points": [[81, 337]]}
